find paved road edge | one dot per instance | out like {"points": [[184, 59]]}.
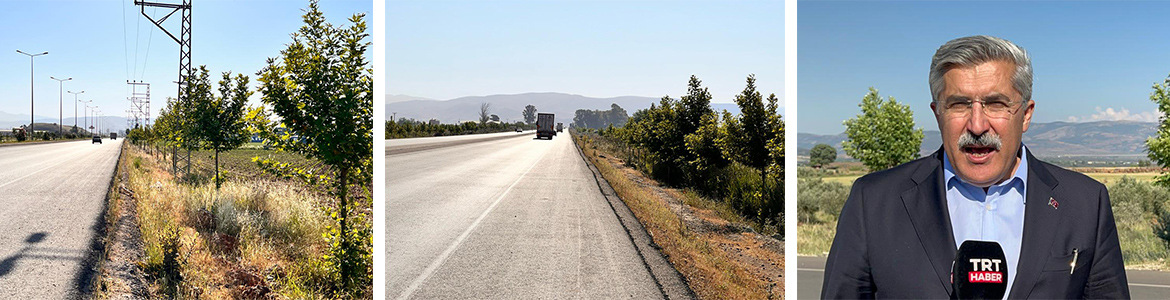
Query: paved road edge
{"points": [[87, 282], [670, 282]]}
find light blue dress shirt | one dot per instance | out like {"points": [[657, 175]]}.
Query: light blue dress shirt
{"points": [[995, 215]]}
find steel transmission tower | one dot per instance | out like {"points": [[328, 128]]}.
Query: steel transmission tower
{"points": [[179, 161], [139, 113]]}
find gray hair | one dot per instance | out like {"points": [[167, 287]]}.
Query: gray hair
{"points": [[974, 50]]}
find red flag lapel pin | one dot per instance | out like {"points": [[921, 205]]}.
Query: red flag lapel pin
{"points": [[1052, 202]]}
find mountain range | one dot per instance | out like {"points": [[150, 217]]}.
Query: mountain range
{"points": [[11, 120], [509, 107], [1047, 139]]}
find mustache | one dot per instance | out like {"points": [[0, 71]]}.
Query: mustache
{"points": [[989, 140]]}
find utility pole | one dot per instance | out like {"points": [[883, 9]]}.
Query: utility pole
{"points": [[75, 107], [184, 41], [31, 92], [86, 114], [61, 104], [139, 104]]}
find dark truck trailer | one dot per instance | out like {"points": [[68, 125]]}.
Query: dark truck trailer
{"points": [[544, 125]]}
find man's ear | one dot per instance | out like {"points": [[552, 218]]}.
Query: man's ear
{"points": [[1031, 105]]}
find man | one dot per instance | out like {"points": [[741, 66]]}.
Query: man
{"points": [[900, 229]]}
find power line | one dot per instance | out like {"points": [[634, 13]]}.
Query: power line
{"points": [[125, 43], [149, 39], [137, 38]]}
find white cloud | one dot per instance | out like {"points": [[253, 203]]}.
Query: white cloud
{"points": [[1110, 114]]}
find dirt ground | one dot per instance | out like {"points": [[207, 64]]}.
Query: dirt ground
{"points": [[760, 255]]}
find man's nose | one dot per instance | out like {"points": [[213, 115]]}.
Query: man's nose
{"points": [[977, 122]]}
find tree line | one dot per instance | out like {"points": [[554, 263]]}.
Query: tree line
{"points": [[317, 100], [737, 158]]}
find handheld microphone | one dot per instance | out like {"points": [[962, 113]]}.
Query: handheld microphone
{"points": [[979, 271]]}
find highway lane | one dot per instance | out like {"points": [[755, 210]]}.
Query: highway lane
{"points": [[810, 274], [51, 197], [510, 218]]}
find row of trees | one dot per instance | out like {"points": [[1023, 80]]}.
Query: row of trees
{"points": [[739, 158], [320, 91], [409, 128], [587, 118]]}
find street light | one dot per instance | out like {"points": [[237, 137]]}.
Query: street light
{"points": [[97, 120], [86, 114], [31, 92], [75, 107], [61, 104]]}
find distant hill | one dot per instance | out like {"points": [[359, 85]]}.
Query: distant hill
{"points": [[399, 98], [509, 107], [11, 120], [1046, 139]]}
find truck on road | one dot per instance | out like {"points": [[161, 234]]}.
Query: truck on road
{"points": [[560, 127], [544, 125]]}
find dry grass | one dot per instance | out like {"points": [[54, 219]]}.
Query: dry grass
{"points": [[815, 239], [252, 238], [708, 268]]}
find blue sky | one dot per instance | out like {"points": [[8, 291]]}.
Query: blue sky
{"points": [[101, 44], [448, 49], [1092, 60]]}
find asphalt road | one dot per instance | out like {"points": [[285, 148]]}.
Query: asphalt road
{"points": [[51, 197], [810, 274], [503, 216]]}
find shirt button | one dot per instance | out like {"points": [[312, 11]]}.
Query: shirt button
{"points": [[989, 206]]}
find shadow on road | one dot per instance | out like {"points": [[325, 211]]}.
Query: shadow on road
{"points": [[30, 251]]}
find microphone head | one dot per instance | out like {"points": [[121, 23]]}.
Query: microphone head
{"points": [[979, 271]]}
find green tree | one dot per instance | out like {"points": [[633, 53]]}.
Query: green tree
{"points": [[756, 139], [706, 154], [218, 122], [822, 155], [693, 106], [529, 114], [617, 116], [322, 89], [1158, 146], [883, 135], [748, 135]]}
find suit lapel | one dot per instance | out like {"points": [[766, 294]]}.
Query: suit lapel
{"points": [[926, 205], [1041, 223]]}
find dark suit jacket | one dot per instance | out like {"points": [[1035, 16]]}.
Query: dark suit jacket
{"points": [[894, 237]]}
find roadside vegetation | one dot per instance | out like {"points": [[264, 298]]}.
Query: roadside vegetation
{"points": [[19, 136], [410, 128], [286, 217], [735, 159], [707, 186], [707, 241]]}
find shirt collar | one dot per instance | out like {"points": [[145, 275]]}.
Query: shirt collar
{"points": [[1021, 174]]}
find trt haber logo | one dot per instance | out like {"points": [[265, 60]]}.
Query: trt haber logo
{"points": [[985, 270]]}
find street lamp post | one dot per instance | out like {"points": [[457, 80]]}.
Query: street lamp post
{"points": [[61, 104], [86, 114], [31, 92], [75, 107]]}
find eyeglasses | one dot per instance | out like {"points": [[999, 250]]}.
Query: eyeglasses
{"points": [[993, 108]]}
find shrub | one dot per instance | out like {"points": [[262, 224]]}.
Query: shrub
{"points": [[820, 201]]}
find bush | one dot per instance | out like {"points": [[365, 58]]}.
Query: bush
{"points": [[819, 201], [1143, 220], [758, 201]]}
